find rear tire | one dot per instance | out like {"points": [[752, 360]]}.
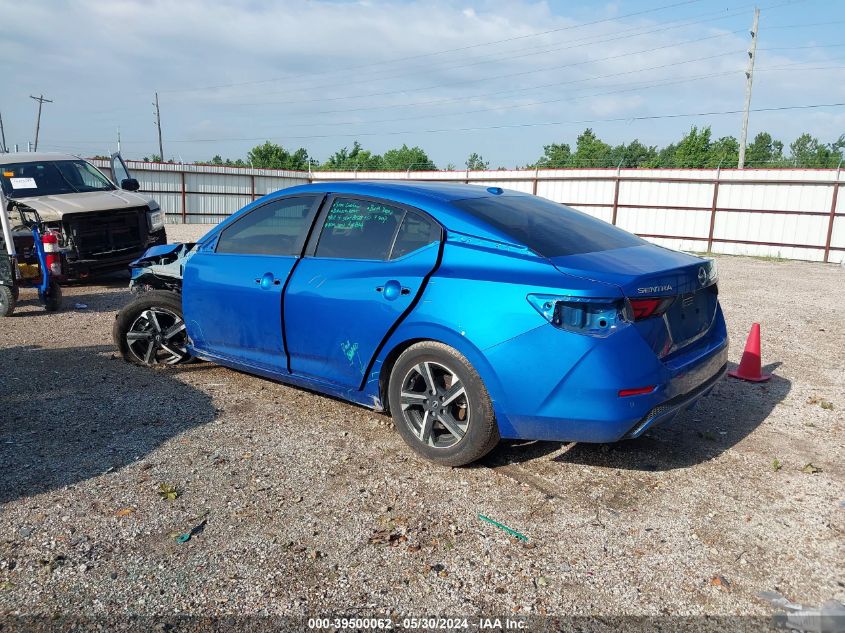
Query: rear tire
{"points": [[440, 406], [7, 301], [151, 330]]}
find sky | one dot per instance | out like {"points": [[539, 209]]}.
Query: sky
{"points": [[501, 78]]}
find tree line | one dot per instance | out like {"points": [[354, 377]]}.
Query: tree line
{"points": [[697, 149]]}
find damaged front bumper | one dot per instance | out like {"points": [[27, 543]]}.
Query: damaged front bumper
{"points": [[160, 268]]}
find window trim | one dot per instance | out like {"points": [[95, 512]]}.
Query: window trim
{"points": [[299, 245], [317, 228]]}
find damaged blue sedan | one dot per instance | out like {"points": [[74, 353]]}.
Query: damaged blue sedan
{"points": [[468, 313]]}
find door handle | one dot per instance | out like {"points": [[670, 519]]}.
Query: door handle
{"points": [[267, 280], [392, 289]]}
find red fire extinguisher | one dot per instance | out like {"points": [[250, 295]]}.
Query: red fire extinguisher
{"points": [[53, 257]]}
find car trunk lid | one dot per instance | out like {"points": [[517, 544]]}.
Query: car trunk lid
{"points": [[648, 272]]}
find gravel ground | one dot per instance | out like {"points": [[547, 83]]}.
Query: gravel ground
{"points": [[309, 505]]}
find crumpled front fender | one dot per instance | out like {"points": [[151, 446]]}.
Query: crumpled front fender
{"points": [[160, 267]]}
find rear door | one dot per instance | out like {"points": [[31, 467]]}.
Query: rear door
{"points": [[232, 287], [362, 271]]}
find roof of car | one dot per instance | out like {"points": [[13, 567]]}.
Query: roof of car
{"points": [[441, 191], [35, 157]]}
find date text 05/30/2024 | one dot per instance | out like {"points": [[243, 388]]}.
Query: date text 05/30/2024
{"points": [[423, 623]]}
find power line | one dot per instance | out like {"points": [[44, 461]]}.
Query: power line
{"points": [[423, 55], [786, 67], [521, 125], [521, 73], [579, 43], [547, 85], [450, 50], [493, 77], [536, 103]]}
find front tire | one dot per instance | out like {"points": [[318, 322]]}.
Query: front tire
{"points": [[8, 298], [151, 330], [440, 406]]}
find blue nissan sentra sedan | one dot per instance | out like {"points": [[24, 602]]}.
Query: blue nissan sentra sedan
{"points": [[468, 313]]}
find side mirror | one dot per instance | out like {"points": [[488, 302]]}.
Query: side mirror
{"points": [[129, 184]]}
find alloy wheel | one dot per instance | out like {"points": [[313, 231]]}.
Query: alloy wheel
{"points": [[158, 337], [435, 405]]}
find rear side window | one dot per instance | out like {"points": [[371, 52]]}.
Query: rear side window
{"points": [[358, 229], [277, 228], [414, 233], [548, 228]]}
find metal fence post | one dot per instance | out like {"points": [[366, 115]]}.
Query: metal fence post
{"points": [[184, 199], [252, 186], [713, 208], [833, 200], [616, 193], [536, 179]]}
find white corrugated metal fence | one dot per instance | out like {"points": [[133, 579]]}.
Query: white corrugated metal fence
{"points": [[787, 213]]}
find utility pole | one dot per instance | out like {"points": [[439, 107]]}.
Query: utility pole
{"points": [[41, 101], [118, 140], [158, 125], [749, 79], [2, 136]]}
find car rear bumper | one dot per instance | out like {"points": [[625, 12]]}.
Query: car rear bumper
{"points": [[670, 409], [568, 389]]}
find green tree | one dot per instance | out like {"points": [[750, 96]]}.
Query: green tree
{"points": [[590, 151], [764, 150], [273, 156], [223, 162], [357, 158], [554, 156], [634, 154], [808, 151], [665, 158], [694, 149], [476, 162], [405, 157], [724, 152]]}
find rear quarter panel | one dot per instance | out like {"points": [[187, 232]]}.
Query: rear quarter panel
{"points": [[475, 301]]}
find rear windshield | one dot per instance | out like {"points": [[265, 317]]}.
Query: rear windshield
{"points": [[548, 228], [50, 178]]}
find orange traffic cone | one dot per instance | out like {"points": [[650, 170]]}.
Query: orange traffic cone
{"points": [[749, 365]]}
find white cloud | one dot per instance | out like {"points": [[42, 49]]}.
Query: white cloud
{"points": [[102, 62]]}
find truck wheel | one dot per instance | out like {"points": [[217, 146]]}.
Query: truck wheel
{"points": [[151, 331], [7, 301], [53, 297]]}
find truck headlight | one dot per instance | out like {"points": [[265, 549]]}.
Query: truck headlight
{"points": [[156, 218]]}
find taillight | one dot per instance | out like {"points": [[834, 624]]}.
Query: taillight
{"points": [[649, 307], [636, 391], [584, 315]]}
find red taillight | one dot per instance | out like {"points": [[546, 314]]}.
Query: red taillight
{"points": [[653, 306], [639, 391]]}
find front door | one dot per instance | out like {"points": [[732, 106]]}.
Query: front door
{"points": [[119, 171], [232, 287], [367, 266]]}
